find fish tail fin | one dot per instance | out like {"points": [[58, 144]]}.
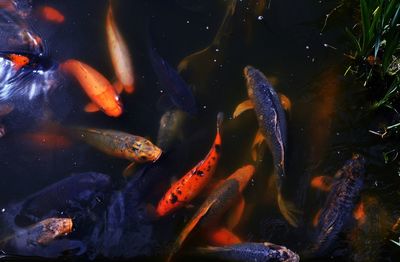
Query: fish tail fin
{"points": [[220, 119], [184, 63], [288, 210]]}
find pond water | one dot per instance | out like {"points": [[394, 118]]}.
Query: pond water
{"points": [[291, 42]]}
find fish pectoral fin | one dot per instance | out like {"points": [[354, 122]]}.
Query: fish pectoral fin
{"points": [[359, 213], [244, 106], [235, 215], [316, 218], [91, 108], [285, 102], [323, 183], [129, 170], [256, 150]]}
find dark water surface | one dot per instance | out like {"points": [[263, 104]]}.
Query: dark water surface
{"points": [[328, 120]]}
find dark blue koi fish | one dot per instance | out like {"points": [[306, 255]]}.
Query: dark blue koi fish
{"points": [[340, 203], [272, 128], [250, 252]]}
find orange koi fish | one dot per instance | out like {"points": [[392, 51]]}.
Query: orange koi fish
{"points": [[51, 14], [216, 205], [190, 185], [96, 86], [120, 56]]}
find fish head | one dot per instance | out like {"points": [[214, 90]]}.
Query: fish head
{"points": [[353, 168], [243, 176], [145, 151], [253, 78], [54, 227], [285, 254], [114, 111]]}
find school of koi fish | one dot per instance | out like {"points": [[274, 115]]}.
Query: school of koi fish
{"points": [[171, 201]]}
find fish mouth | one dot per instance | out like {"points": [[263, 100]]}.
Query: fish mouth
{"points": [[247, 70], [158, 155]]}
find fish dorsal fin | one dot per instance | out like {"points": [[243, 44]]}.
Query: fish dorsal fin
{"points": [[244, 106], [236, 214]]}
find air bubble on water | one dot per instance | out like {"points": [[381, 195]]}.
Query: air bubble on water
{"points": [[313, 60], [187, 21], [204, 107], [3, 210], [207, 27], [337, 133], [307, 47], [216, 50], [215, 60], [260, 17], [161, 91]]}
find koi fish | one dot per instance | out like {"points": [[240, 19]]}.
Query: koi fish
{"points": [[192, 183], [178, 91], [340, 203], [136, 149], [51, 14], [272, 128], [170, 129], [250, 252], [96, 86], [119, 52], [216, 204], [43, 232]]}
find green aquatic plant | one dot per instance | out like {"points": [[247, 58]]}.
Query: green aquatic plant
{"points": [[375, 50], [376, 37]]}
